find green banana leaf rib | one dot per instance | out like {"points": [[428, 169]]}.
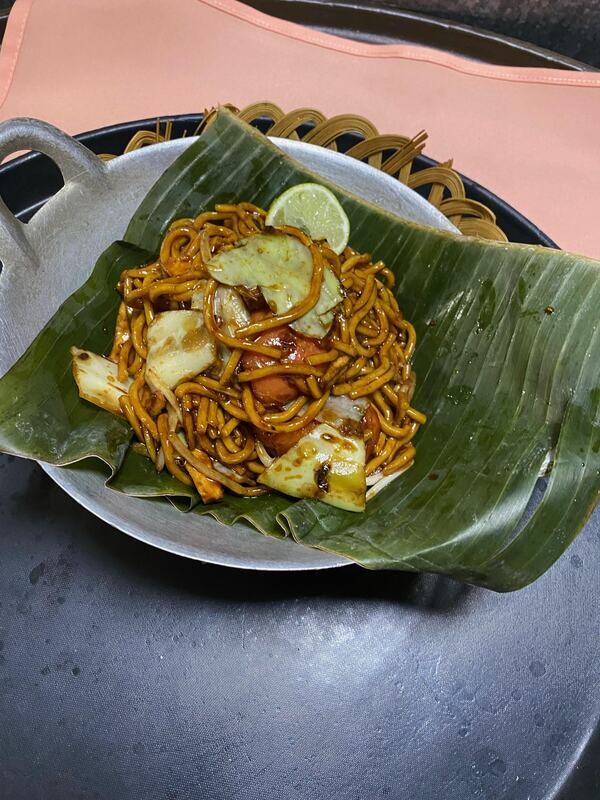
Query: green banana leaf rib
{"points": [[502, 381]]}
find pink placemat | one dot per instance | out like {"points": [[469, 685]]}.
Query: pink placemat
{"points": [[530, 135]]}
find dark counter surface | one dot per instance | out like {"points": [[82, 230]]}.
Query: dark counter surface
{"points": [[129, 673]]}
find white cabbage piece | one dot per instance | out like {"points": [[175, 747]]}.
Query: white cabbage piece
{"points": [[325, 465], [197, 302], [379, 481], [97, 380], [340, 410], [179, 348], [229, 306], [281, 266]]}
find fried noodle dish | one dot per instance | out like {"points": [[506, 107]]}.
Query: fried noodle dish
{"points": [[249, 358]]}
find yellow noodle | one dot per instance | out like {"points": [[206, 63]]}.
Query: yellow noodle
{"points": [[404, 432], [202, 415], [207, 445], [380, 443], [342, 347], [188, 421], [309, 414], [247, 452], [365, 389], [212, 414], [369, 376], [140, 272], [231, 445], [211, 383], [170, 287], [129, 414], [150, 446], [135, 364], [334, 371], [353, 261], [231, 341], [137, 335], [385, 372], [252, 413], [249, 491], [229, 427], [300, 384], [230, 367], [369, 290], [195, 388], [207, 216], [356, 368], [388, 451], [123, 368], [277, 369], [291, 411], [204, 247], [412, 338], [406, 455], [384, 327], [166, 441], [122, 333], [219, 230], [322, 358], [235, 410], [314, 387], [366, 330], [417, 416], [176, 238], [256, 467], [139, 409], [382, 404], [157, 404]]}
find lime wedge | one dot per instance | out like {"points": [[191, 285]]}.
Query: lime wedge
{"points": [[315, 210]]}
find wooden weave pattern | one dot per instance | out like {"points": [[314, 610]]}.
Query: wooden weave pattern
{"points": [[393, 154]]}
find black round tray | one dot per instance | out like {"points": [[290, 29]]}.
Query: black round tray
{"points": [[129, 673], [443, 27]]}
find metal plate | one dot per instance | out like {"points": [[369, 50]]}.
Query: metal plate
{"points": [[85, 216], [130, 673]]}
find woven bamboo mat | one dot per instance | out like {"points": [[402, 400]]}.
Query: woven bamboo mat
{"points": [[394, 154]]}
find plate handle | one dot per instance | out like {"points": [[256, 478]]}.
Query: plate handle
{"points": [[74, 160]]}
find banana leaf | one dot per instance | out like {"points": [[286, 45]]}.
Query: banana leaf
{"points": [[507, 362]]}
